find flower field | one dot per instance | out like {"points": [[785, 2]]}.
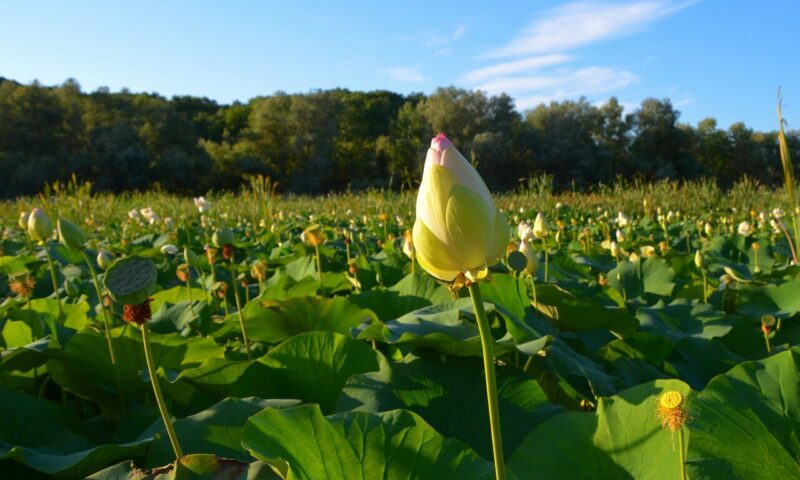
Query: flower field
{"points": [[638, 332]]}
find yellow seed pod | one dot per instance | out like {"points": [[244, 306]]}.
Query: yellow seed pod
{"points": [[671, 410], [671, 399]]}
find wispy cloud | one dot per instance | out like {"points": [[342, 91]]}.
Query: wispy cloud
{"points": [[517, 66], [441, 42], [538, 65], [404, 74], [579, 23], [588, 81]]}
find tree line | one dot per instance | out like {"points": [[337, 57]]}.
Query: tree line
{"points": [[333, 140]]}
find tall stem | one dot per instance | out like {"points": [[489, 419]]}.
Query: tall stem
{"points": [[53, 278], [682, 454], [162, 408], [705, 286], [239, 309], [319, 271], [106, 326], [487, 347], [544, 246]]}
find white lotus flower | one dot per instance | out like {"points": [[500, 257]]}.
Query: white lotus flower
{"points": [[202, 204], [622, 220], [533, 261], [744, 228]]}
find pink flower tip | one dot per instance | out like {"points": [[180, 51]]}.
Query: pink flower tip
{"points": [[440, 142]]}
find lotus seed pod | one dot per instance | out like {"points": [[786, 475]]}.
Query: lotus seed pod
{"points": [[70, 235], [130, 280], [222, 237], [40, 227], [103, 259]]}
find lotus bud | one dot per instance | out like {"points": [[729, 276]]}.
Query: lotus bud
{"points": [[614, 247], [620, 236], [223, 237], [540, 226], [458, 230], [23, 220], [103, 259], [708, 229], [408, 244], [698, 259], [70, 235], [40, 227], [72, 286], [533, 261], [313, 236]]}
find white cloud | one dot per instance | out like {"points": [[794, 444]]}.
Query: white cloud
{"points": [[438, 40], [580, 23], [517, 66], [532, 90], [404, 74]]}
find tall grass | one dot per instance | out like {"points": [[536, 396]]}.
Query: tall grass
{"points": [[788, 172]]}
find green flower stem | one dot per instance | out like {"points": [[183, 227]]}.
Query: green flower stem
{"points": [[766, 340], [533, 287], [239, 309], [682, 454], [106, 326], [319, 271], [487, 347], [151, 370], [705, 286], [189, 291], [213, 281], [102, 307], [53, 278], [546, 259]]}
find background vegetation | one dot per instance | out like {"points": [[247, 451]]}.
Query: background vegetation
{"points": [[335, 140]]}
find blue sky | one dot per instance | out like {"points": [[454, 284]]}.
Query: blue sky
{"points": [[720, 58]]}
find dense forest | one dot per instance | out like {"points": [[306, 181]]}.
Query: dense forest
{"points": [[338, 139]]}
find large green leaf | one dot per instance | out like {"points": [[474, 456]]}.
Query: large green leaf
{"points": [[273, 322], [312, 366], [623, 439], [358, 445], [451, 396], [217, 430], [746, 423], [45, 437], [443, 327], [634, 279], [572, 313], [683, 318], [779, 300], [191, 467], [85, 367], [411, 293]]}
